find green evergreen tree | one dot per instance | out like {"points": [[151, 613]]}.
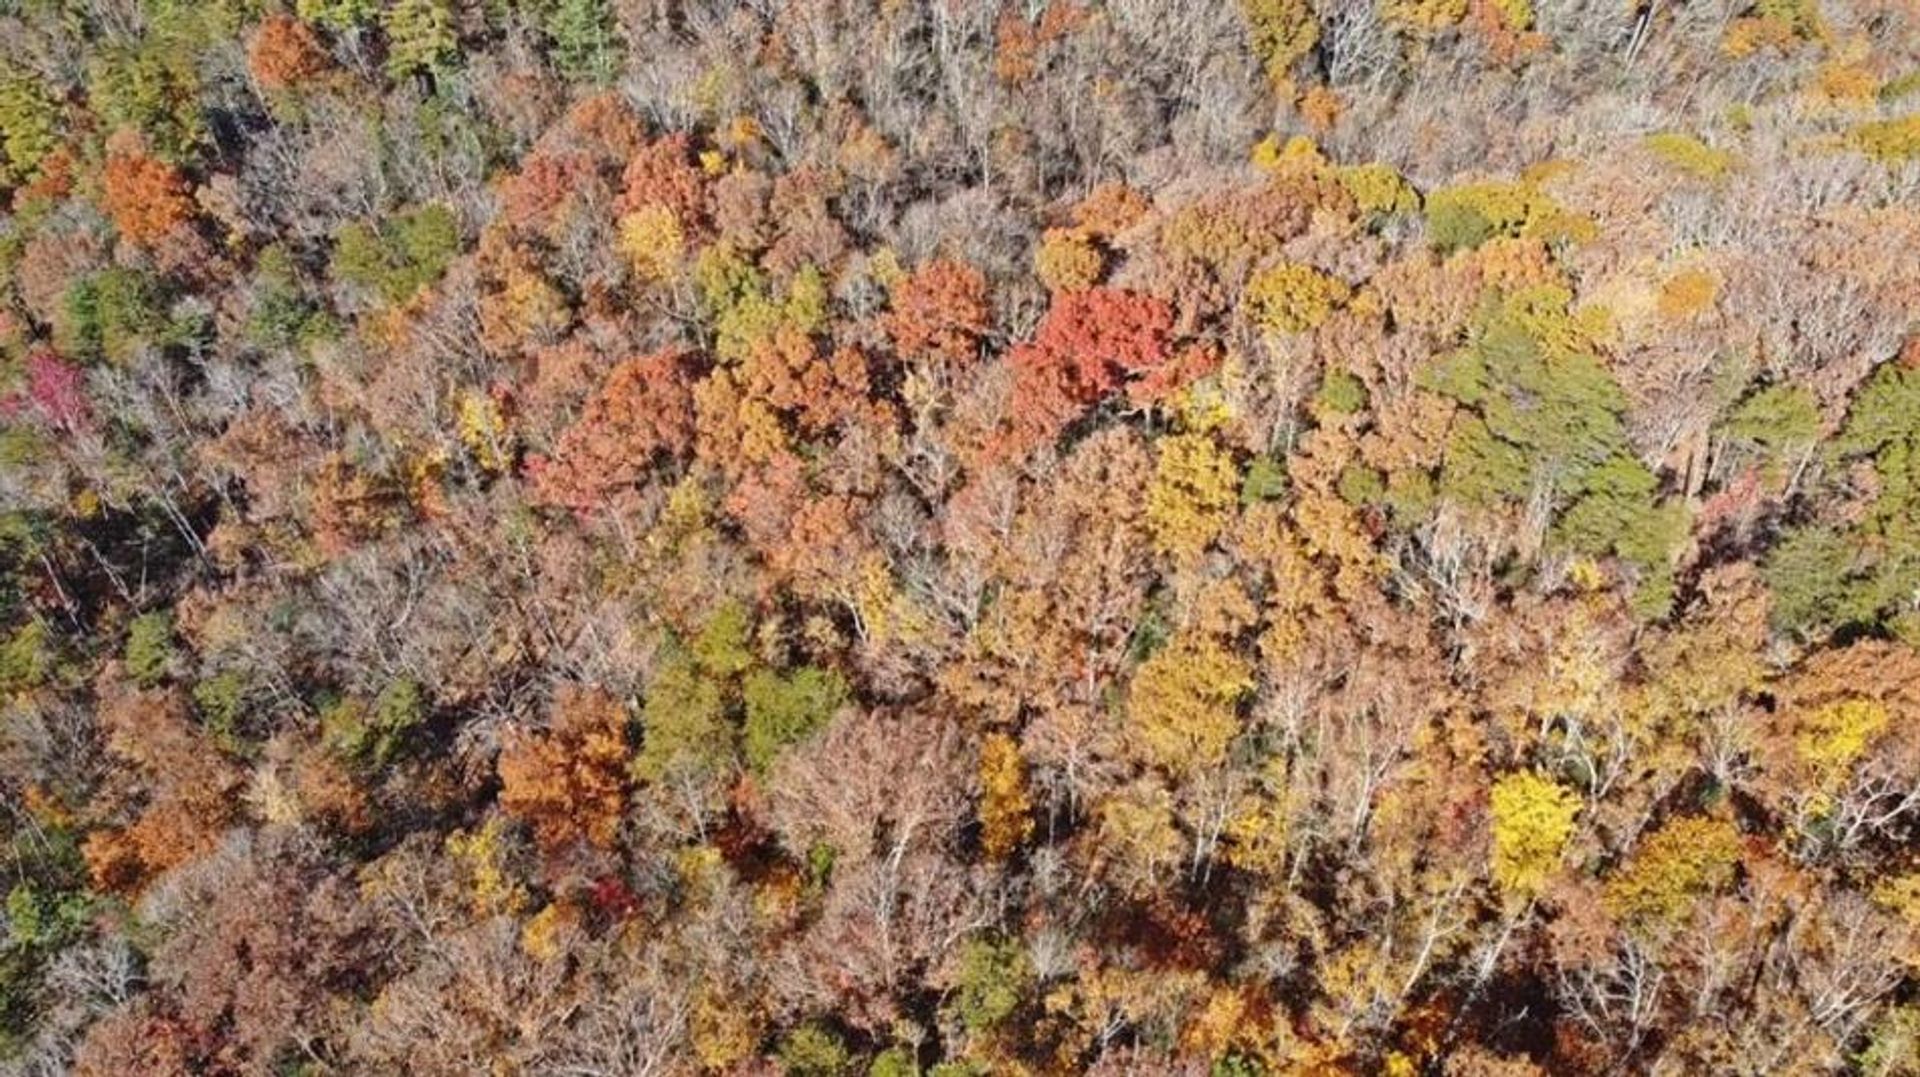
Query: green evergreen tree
{"points": [[149, 652], [420, 37], [586, 41]]}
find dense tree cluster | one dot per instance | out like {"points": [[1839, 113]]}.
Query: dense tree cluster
{"points": [[834, 537]]}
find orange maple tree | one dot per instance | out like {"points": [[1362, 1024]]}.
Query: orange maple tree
{"points": [[642, 410], [146, 197], [284, 53]]}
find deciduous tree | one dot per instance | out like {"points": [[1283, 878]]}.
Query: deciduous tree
{"points": [[570, 782]]}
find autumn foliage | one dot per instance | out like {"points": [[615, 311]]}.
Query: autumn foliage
{"points": [[1250, 539], [569, 783], [641, 412], [147, 198], [1091, 341], [285, 54], [940, 312]]}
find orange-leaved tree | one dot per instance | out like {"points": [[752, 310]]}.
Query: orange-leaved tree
{"points": [[146, 197], [570, 783]]}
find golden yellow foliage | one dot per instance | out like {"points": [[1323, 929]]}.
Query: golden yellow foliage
{"points": [[1900, 895], [483, 430], [1137, 824], [1067, 260], [1332, 529], [1291, 298], [1776, 24], [740, 133], [1005, 809], [886, 613], [1256, 836], [724, 1031], [1688, 292], [689, 510], [1517, 14], [1846, 84], [884, 267], [1891, 141], [1280, 32], [1195, 485], [762, 436], [1685, 859], [1586, 575], [1399, 1064], [1425, 14], [1298, 154], [1687, 154], [481, 855], [551, 930], [1532, 822], [652, 241], [1835, 736], [526, 306], [1182, 707], [1202, 407], [1377, 188]]}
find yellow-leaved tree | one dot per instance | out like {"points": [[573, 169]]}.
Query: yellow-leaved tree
{"points": [[1682, 861], [1005, 808], [1532, 822], [1833, 737], [1182, 707], [652, 241], [1291, 298], [1195, 485]]}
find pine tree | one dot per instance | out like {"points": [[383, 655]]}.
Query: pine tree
{"points": [[420, 37], [586, 41]]}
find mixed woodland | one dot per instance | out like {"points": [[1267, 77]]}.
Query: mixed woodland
{"points": [[1219, 538]]}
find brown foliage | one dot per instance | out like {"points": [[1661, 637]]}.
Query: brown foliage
{"points": [[188, 791], [1234, 665], [136, 1039], [49, 264], [806, 536], [878, 789], [663, 173], [810, 232], [350, 506], [548, 186], [274, 939]]}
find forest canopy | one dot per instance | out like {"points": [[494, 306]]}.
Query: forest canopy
{"points": [[947, 538]]}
